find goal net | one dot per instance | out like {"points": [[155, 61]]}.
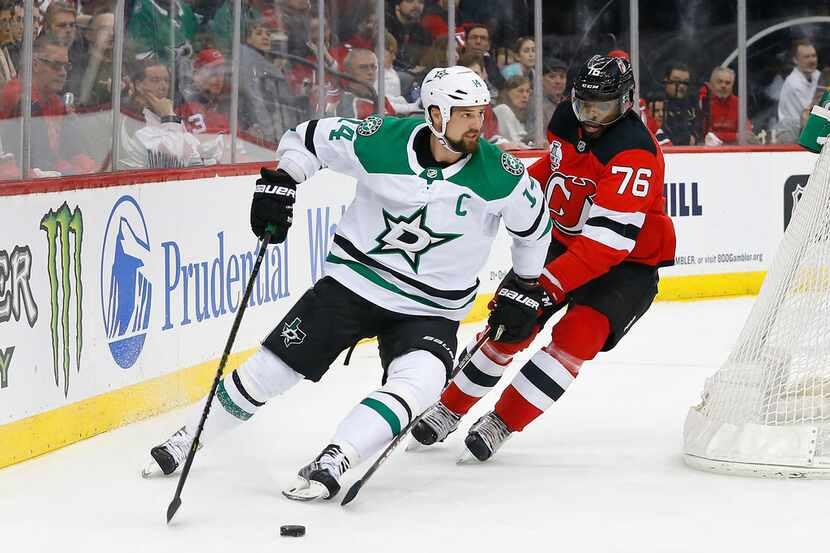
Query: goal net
{"points": [[766, 412]]}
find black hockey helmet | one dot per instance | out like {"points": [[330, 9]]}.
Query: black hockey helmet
{"points": [[603, 91]]}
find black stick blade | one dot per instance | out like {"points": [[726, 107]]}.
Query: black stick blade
{"points": [[173, 507], [352, 493]]}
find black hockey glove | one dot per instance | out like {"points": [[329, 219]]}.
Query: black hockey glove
{"points": [[517, 306], [273, 204]]}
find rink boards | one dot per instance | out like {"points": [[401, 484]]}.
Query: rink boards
{"points": [[117, 292]]}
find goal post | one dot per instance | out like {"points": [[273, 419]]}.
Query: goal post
{"points": [[766, 411]]}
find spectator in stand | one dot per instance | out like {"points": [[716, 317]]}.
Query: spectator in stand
{"points": [[16, 29], [366, 31], [91, 77], [435, 19], [554, 82], [206, 107], [51, 149], [359, 93], [60, 23], [797, 92], [404, 22], [720, 108], [152, 135], [8, 71], [396, 83], [507, 19], [655, 116], [221, 24], [149, 28], [525, 49], [303, 77], [490, 128], [512, 112], [434, 56], [682, 121], [295, 16], [267, 105], [477, 41]]}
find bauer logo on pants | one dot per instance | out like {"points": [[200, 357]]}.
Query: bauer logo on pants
{"points": [[292, 334]]}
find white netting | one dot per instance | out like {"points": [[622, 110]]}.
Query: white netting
{"points": [[766, 412]]}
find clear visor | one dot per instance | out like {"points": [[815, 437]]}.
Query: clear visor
{"points": [[596, 112]]}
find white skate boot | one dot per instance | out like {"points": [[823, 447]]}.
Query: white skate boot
{"points": [[320, 479], [168, 456]]}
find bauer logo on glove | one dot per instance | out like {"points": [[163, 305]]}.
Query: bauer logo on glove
{"points": [[518, 297], [273, 204], [275, 189]]}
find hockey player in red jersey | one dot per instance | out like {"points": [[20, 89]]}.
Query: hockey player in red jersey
{"points": [[603, 182]]}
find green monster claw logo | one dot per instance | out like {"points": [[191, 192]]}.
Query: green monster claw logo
{"points": [[58, 226]]}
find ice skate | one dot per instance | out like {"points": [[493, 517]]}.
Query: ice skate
{"points": [[485, 437], [320, 479], [436, 423], [167, 457]]}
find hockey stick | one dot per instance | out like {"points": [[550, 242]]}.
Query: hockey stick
{"points": [[465, 359], [177, 498]]}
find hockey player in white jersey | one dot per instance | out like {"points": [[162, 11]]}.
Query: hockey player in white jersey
{"points": [[402, 267]]}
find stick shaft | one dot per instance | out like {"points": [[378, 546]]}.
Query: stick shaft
{"points": [[174, 505]]}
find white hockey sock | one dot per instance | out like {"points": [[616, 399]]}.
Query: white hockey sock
{"points": [[414, 382], [240, 394]]}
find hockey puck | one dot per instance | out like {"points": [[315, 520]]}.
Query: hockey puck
{"points": [[292, 530]]}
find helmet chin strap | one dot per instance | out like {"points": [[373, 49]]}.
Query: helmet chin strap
{"points": [[442, 139]]}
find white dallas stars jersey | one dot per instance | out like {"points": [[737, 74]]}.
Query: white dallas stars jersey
{"points": [[415, 238]]}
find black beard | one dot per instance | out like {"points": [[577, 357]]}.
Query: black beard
{"points": [[461, 146]]}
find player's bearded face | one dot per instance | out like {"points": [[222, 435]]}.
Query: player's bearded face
{"points": [[464, 129]]}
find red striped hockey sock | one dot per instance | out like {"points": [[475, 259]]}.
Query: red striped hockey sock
{"points": [[479, 376]]}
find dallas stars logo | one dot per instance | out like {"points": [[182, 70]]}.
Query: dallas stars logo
{"points": [[409, 237], [292, 333]]}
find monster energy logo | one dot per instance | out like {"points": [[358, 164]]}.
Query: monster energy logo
{"points": [[58, 226]]}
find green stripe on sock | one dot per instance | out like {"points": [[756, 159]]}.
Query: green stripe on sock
{"points": [[385, 412], [229, 405]]}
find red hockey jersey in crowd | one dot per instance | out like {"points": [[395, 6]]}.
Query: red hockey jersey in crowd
{"points": [[201, 116], [605, 198]]}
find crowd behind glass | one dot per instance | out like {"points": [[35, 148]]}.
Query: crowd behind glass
{"points": [[177, 99]]}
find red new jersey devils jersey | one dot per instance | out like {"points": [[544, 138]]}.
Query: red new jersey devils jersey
{"points": [[200, 118], [605, 198]]}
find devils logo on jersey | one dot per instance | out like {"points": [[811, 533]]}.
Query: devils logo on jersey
{"points": [[569, 201]]}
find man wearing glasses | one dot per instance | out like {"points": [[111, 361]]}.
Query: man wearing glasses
{"points": [[50, 150], [60, 23], [359, 92], [8, 70], [682, 116]]}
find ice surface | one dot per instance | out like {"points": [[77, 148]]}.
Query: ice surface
{"points": [[600, 472]]}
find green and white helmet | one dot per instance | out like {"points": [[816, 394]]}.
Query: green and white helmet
{"points": [[449, 87]]}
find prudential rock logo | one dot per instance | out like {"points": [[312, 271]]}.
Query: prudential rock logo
{"points": [[126, 290]]}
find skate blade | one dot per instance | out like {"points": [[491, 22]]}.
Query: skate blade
{"points": [[152, 470], [306, 490], [466, 458], [414, 445]]}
